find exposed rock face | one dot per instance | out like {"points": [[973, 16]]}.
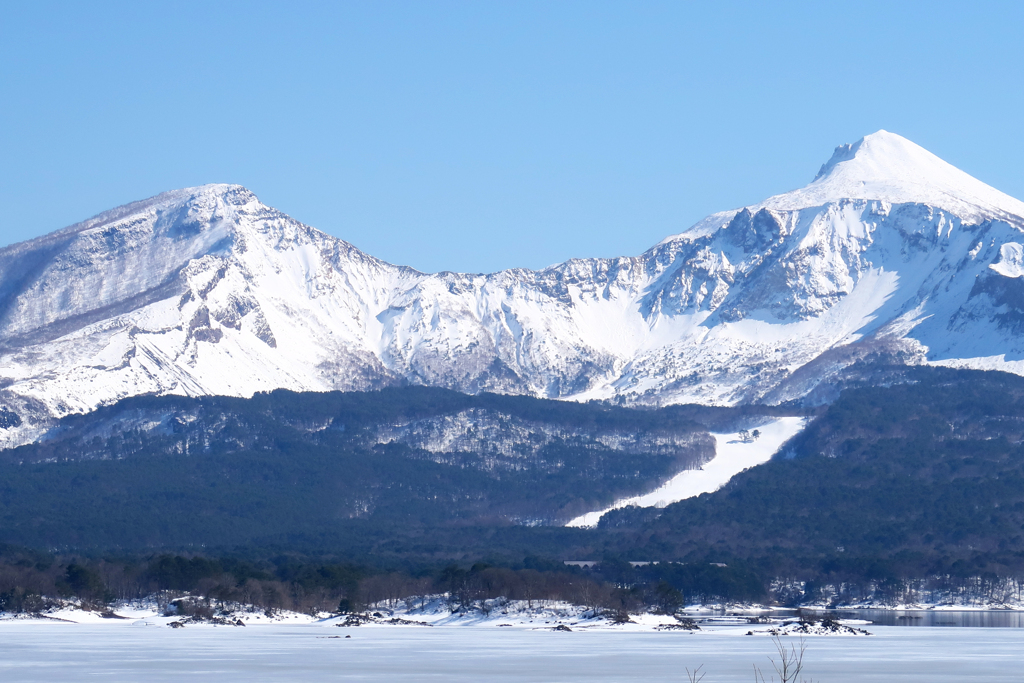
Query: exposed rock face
{"points": [[889, 251]]}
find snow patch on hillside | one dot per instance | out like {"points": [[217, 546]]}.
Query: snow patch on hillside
{"points": [[732, 456]]}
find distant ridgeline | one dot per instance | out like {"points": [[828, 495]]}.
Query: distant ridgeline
{"points": [[174, 472]]}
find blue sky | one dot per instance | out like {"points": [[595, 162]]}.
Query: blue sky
{"points": [[476, 136]]}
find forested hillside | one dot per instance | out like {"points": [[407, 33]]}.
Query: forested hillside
{"points": [[920, 477], [924, 477], [350, 470]]}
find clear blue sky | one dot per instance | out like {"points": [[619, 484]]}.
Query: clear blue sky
{"points": [[477, 136]]}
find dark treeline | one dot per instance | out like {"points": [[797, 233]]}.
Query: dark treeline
{"points": [[32, 581]]}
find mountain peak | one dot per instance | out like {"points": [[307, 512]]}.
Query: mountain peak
{"points": [[209, 194], [883, 156], [888, 167], [224, 192]]}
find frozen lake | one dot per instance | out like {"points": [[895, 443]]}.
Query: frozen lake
{"points": [[66, 652]]}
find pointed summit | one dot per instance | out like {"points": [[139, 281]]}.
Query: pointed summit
{"points": [[888, 167], [884, 156]]}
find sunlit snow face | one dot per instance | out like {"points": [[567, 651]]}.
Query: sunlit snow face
{"points": [[206, 291]]}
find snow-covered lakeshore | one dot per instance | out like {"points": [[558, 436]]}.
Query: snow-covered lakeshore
{"points": [[438, 611], [498, 640], [427, 611]]}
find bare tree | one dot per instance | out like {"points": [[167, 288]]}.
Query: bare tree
{"points": [[695, 676], [789, 664]]}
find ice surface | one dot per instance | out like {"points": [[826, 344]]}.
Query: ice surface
{"points": [[732, 456], [33, 652]]}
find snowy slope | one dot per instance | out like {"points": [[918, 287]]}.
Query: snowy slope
{"points": [[732, 456], [889, 252]]}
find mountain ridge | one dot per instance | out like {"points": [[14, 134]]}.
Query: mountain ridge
{"points": [[208, 291]]}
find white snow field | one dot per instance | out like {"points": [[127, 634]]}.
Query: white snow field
{"points": [[732, 456], [54, 652]]}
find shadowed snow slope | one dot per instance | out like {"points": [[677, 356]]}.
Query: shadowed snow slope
{"points": [[889, 252]]}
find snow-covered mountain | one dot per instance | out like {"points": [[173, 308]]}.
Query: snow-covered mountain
{"points": [[889, 251]]}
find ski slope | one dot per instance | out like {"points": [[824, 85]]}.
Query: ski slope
{"points": [[732, 456]]}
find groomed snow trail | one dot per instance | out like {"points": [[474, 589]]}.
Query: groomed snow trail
{"points": [[732, 456]]}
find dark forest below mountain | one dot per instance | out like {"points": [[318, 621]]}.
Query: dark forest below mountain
{"points": [[921, 478], [342, 469]]}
